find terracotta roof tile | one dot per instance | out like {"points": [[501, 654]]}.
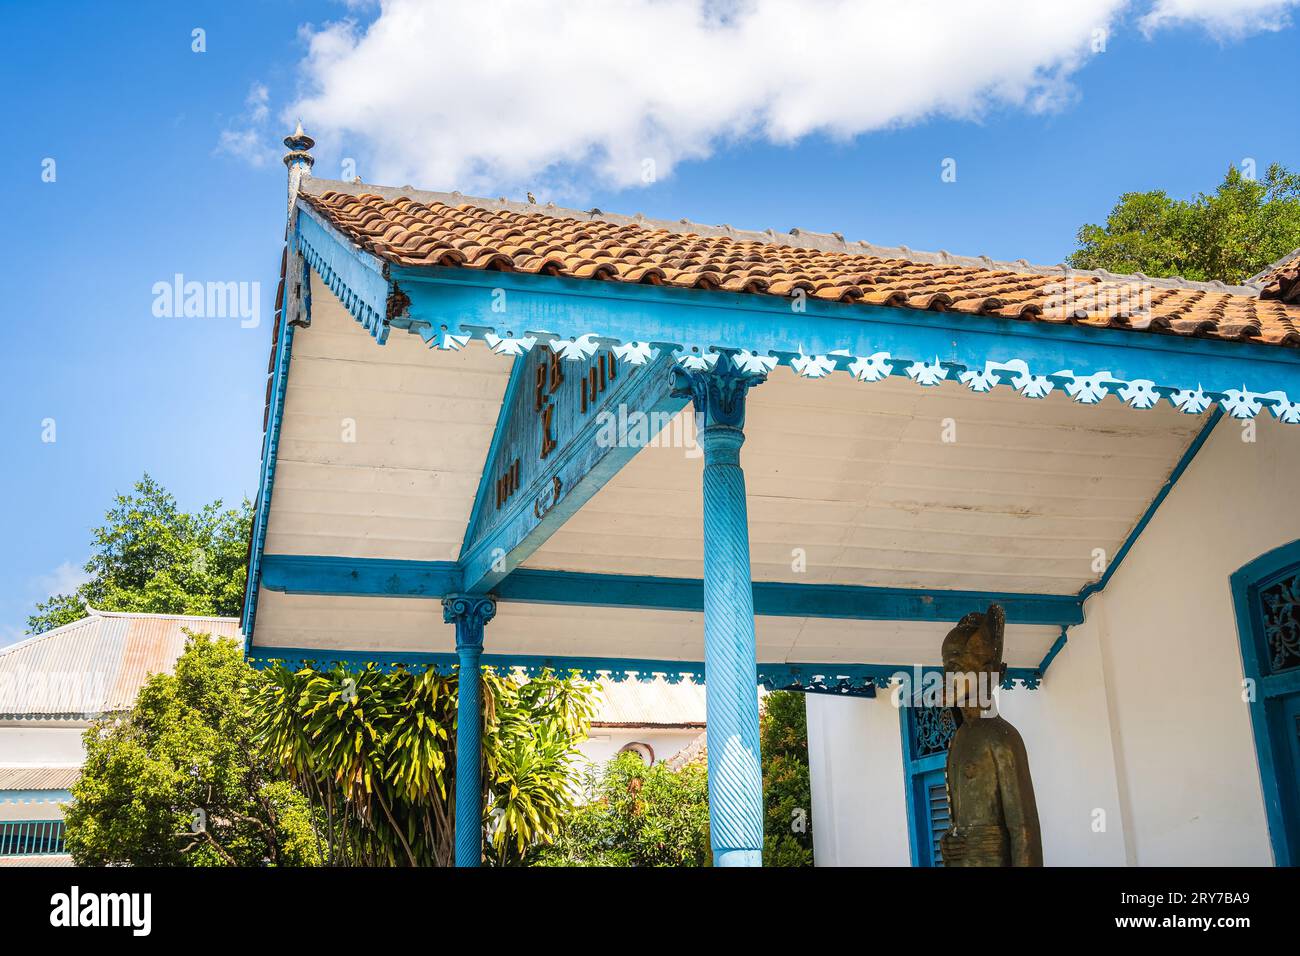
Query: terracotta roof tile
{"points": [[408, 228], [1281, 280]]}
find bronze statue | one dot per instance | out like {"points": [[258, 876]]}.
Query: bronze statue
{"points": [[990, 796]]}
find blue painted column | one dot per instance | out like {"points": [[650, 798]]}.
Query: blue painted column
{"points": [[469, 612], [730, 667]]}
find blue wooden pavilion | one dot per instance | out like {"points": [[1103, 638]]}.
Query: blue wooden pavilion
{"points": [[489, 425]]}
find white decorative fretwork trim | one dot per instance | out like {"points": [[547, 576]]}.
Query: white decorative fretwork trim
{"points": [[1014, 373]]}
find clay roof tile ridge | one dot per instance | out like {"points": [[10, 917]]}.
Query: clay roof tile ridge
{"points": [[797, 238]]}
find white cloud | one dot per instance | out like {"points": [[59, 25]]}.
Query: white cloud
{"points": [[64, 579], [507, 95], [256, 102], [1227, 19], [249, 138]]}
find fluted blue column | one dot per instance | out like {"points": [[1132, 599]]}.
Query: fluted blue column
{"points": [[469, 612], [730, 667]]}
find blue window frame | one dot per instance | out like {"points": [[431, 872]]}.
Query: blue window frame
{"points": [[1266, 594], [927, 731], [31, 837]]}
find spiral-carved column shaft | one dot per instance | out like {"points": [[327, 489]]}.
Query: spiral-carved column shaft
{"points": [[469, 613], [735, 774]]}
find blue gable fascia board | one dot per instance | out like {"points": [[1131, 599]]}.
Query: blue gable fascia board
{"points": [[271, 443], [449, 305], [358, 281], [835, 678], [377, 577], [355, 277]]}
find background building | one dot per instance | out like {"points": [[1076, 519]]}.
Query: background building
{"points": [[54, 686], [655, 719]]}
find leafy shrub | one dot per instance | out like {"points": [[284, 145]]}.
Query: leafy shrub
{"points": [[787, 788], [635, 816], [221, 764], [374, 752], [177, 780]]}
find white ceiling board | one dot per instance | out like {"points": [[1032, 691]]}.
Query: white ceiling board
{"points": [[416, 625], [858, 477], [381, 447]]}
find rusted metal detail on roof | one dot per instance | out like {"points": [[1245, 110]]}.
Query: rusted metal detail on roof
{"points": [[398, 303], [96, 665]]}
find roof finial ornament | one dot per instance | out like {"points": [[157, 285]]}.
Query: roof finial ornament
{"points": [[298, 160], [298, 142]]}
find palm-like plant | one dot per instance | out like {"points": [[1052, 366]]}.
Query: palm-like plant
{"points": [[375, 752]]}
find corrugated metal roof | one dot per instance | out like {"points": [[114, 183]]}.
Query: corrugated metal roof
{"points": [[38, 859], [98, 664], [654, 703], [38, 778]]}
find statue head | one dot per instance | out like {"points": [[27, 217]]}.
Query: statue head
{"points": [[971, 649]]}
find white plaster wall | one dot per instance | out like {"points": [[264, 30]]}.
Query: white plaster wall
{"points": [[1187, 771], [41, 746], [1066, 729], [604, 742], [855, 756], [855, 761]]}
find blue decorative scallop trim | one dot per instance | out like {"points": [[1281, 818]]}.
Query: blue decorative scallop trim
{"points": [[843, 679]]}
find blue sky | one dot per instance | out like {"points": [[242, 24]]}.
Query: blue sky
{"points": [[144, 188]]}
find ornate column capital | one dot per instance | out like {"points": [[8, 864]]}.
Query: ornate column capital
{"points": [[469, 612], [717, 391]]}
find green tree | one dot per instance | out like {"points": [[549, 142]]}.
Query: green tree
{"points": [[635, 815], [375, 753], [177, 782], [787, 787], [151, 557], [1228, 235]]}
